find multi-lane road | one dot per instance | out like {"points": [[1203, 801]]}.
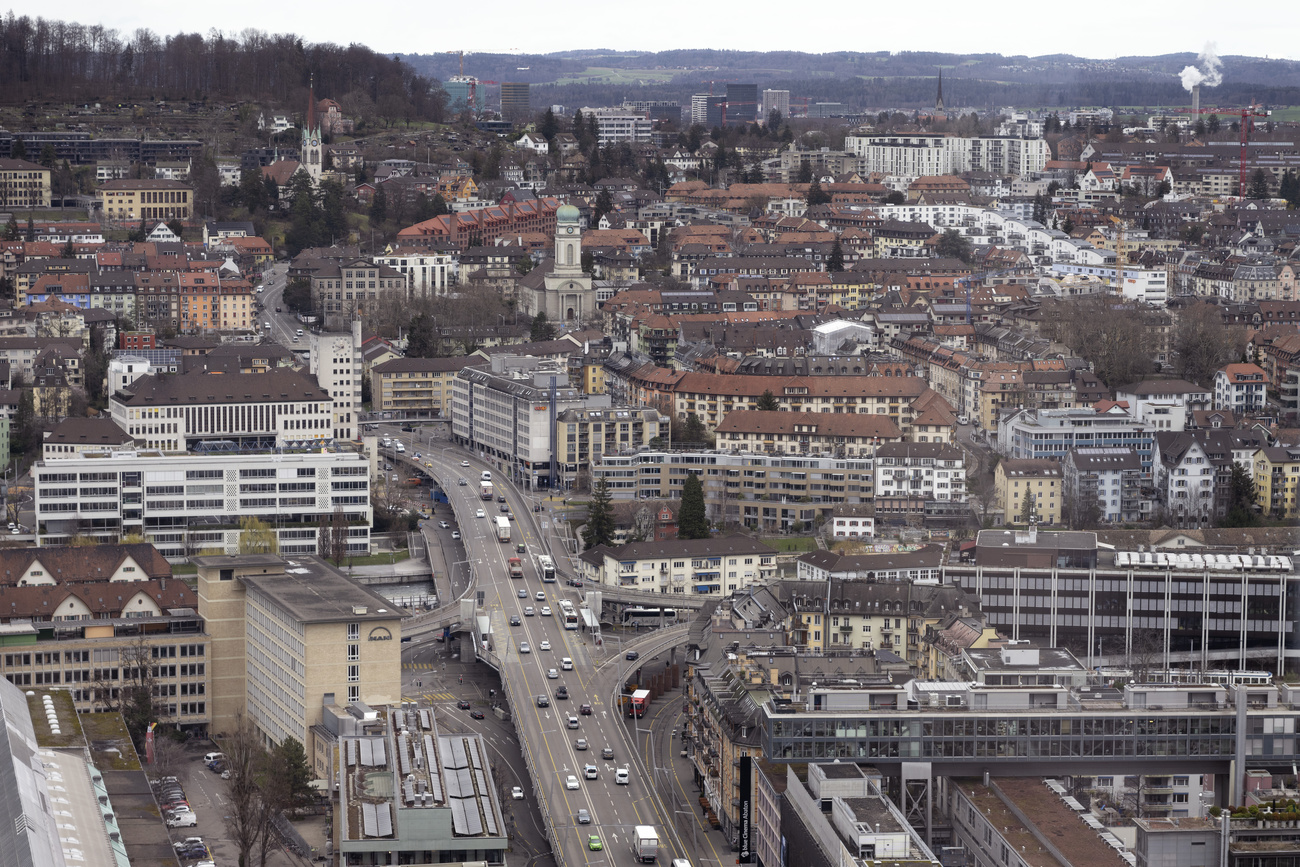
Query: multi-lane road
{"points": [[529, 657]]}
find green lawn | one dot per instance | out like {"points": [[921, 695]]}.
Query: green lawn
{"points": [[381, 559], [613, 75], [791, 545]]}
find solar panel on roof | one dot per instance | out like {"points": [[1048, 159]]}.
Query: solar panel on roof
{"points": [[385, 817], [369, 820], [380, 753], [489, 817]]}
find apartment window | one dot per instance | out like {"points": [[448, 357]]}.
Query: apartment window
{"points": [[354, 693], [354, 632], [354, 652], [354, 674]]}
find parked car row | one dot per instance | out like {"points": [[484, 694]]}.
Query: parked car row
{"points": [[175, 807]]}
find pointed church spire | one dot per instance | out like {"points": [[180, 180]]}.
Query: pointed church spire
{"points": [[311, 103], [938, 100]]}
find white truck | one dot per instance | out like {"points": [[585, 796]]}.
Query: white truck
{"points": [[645, 844], [503, 528]]}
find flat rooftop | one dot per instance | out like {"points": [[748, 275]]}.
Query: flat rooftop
{"points": [[316, 592], [1058, 822], [875, 814], [1030, 850]]}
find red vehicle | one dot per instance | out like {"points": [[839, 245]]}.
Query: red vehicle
{"points": [[637, 702], [516, 567]]}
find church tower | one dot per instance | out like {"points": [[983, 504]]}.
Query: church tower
{"points": [[313, 151], [938, 99], [566, 294]]}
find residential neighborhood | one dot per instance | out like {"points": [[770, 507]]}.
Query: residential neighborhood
{"points": [[890, 472]]}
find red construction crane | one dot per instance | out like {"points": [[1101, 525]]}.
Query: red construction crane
{"points": [[1243, 172]]}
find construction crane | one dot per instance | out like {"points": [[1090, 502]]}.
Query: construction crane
{"points": [[462, 59], [1246, 123], [718, 81]]}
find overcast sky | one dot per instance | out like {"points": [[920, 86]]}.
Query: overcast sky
{"points": [[968, 26]]}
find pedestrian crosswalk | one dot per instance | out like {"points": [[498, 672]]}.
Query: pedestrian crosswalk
{"points": [[420, 666], [428, 697]]}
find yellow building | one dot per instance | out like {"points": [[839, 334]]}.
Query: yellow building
{"points": [[287, 633], [1277, 477], [24, 185], [416, 387], [132, 200], [1039, 479]]}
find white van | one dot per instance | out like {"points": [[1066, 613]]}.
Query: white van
{"points": [[621, 778], [487, 477], [566, 664], [213, 757]]}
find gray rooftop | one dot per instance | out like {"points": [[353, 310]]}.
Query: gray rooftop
{"points": [[316, 592]]}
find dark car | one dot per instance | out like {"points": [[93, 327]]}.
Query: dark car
{"points": [[514, 620], [537, 507], [277, 310], [476, 714], [501, 498], [632, 654], [408, 428], [585, 710], [562, 692], [462, 704]]}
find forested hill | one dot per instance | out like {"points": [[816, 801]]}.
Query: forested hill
{"points": [[43, 59], [875, 79]]}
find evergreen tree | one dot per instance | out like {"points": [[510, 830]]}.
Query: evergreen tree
{"points": [[31, 229], [767, 402], [835, 263], [379, 206], [542, 329], [1289, 188], [290, 763], [48, 156], [599, 529], [692, 521], [1258, 185], [11, 229], [549, 126], [438, 205], [816, 195], [19, 150]]}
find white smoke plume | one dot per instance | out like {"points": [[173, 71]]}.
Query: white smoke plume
{"points": [[1210, 73]]}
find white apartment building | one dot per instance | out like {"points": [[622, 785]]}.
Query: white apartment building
{"points": [[276, 409], [1164, 404], [930, 471], [336, 362], [694, 567], [186, 503], [911, 156], [1144, 285], [1052, 433], [699, 109], [617, 124], [427, 273], [775, 100]]}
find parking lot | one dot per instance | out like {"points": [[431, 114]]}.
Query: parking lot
{"points": [[205, 792]]}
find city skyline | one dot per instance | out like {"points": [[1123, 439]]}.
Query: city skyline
{"points": [[1157, 28]]}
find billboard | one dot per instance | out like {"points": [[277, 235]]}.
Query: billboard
{"points": [[746, 809]]}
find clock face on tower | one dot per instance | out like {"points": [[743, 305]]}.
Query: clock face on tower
{"points": [[569, 231], [314, 143]]}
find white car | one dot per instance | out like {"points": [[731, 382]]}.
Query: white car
{"points": [[517, 793], [551, 673], [464, 463], [455, 534], [571, 782], [546, 611], [524, 648], [480, 514], [540, 596], [545, 645], [528, 612]]}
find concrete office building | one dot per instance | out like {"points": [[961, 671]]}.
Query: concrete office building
{"points": [[277, 409], [776, 100], [506, 411], [515, 104], [288, 635], [909, 156], [188, 503], [615, 125], [1052, 433]]}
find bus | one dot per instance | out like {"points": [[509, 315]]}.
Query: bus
{"points": [[649, 616], [546, 566], [568, 614], [636, 703]]}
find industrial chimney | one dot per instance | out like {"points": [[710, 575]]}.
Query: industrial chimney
{"points": [[1196, 101]]}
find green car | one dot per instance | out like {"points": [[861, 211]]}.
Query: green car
{"points": [[593, 843]]}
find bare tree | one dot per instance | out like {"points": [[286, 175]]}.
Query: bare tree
{"points": [[338, 536], [249, 812], [643, 524]]}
